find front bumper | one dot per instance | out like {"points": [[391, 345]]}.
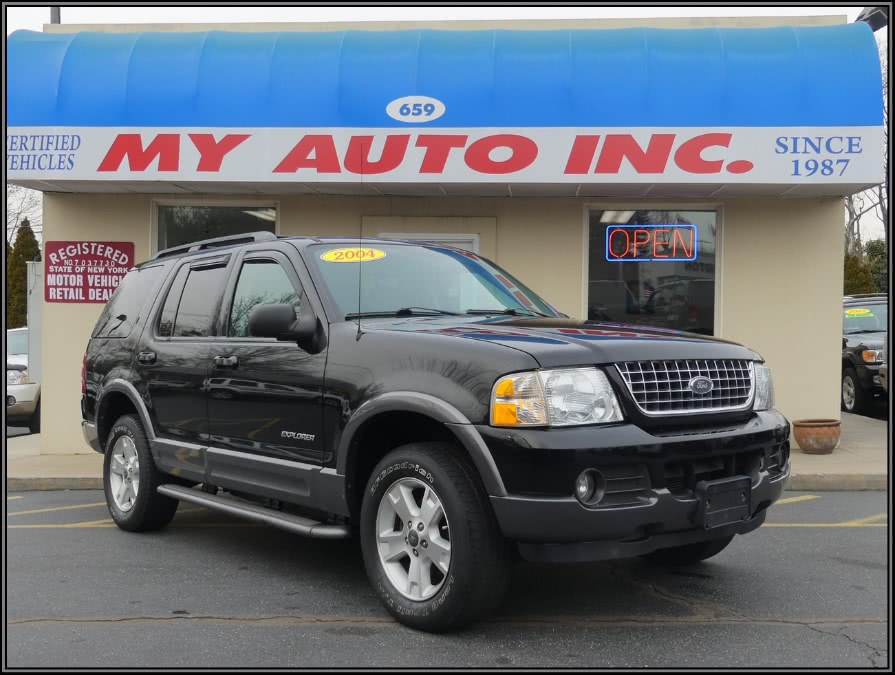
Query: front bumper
{"points": [[869, 378], [90, 435], [26, 397], [884, 377], [650, 502]]}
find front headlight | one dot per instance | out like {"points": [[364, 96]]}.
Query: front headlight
{"points": [[873, 355], [16, 376], [764, 388], [561, 397]]}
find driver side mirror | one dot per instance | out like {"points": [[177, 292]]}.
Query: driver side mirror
{"points": [[278, 321]]}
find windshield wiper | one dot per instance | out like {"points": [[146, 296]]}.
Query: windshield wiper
{"points": [[512, 311], [404, 311], [865, 330]]}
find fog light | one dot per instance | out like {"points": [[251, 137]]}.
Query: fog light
{"points": [[590, 487], [876, 379], [584, 487], [10, 400]]}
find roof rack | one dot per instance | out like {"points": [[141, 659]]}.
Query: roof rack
{"points": [[231, 240]]}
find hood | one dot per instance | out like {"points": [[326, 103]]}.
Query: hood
{"points": [[17, 359], [566, 342], [870, 340]]}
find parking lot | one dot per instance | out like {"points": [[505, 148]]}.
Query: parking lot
{"points": [[809, 589]]}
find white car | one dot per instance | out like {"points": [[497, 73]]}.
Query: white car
{"points": [[22, 395]]}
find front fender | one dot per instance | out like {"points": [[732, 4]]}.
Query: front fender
{"points": [[435, 409]]}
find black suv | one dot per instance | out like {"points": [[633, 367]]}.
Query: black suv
{"points": [[865, 321], [422, 399]]}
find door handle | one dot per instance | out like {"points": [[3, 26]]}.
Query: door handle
{"points": [[146, 357], [226, 361]]}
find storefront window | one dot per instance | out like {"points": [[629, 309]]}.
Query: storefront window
{"points": [[654, 268], [178, 225]]}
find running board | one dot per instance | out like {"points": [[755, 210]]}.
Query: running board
{"points": [[243, 509]]}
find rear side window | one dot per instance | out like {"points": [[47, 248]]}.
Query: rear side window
{"points": [[128, 302], [199, 302]]}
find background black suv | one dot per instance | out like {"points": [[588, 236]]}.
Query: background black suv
{"points": [[865, 321], [425, 400]]}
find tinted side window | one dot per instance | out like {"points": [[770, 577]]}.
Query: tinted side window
{"points": [[261, 282], [198, 304], [166, 319], [128, 302]]}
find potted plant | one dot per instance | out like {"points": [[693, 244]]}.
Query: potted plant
{"points": [[816, 436]]}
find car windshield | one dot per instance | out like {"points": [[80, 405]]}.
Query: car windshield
{"points": [[411, 279], [865, 318], [16, 342]]}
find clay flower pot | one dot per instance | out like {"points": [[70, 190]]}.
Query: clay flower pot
{"points": [[816, 437]]}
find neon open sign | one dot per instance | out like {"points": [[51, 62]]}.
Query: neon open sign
{"points": [[644, 243]]}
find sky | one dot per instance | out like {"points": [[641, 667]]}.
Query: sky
{"points": [[33, 18]]}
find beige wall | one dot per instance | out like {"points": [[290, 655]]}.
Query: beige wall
{"points": [[779, 273], [781, 294]]}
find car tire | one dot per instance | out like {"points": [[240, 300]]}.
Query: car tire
{"points": [[689, 553], [34, 422], [131, 479], [852, 396], [432, 475]]}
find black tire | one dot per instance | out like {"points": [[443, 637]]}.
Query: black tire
{"points": [[34, 422], [476, 579], [861, 396], [150, 510], [689, 553]]}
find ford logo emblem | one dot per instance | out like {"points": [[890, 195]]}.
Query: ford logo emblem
{"points": [[701, 385]]}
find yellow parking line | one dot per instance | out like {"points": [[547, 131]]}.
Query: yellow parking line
{"points": [[9, 499], [105, 522], [869, 519], [55, 508], [793, 500]]}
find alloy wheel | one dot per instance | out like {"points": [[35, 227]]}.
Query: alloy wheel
{"points": [[124, 473], [848, 392], [413, 539]]}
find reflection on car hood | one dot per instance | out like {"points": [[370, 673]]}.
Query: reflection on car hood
{"points": [[870, 340], [559, 341]]}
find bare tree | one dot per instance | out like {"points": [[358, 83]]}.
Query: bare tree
{"points": [[876, 199], [22, 203]]}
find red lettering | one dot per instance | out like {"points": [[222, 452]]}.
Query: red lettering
{"points": [[640, 242], [612, 248], [211, 152], [357, 159], [523, 153], [677, 236], [656, 242], [165, 147], [689, 156], [582, 155], [623, 146], [324, 160], [438, 147]]}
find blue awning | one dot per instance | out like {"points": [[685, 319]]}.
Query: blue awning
{"points": [[637, 77]]}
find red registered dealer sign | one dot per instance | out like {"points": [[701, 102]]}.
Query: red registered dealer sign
{"points": [[85, 271]]}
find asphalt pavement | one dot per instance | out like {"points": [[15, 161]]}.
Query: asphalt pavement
{"points": [[12, 432], [808, 589]]}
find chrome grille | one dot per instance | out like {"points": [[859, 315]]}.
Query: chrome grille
{"points": [[661, 387]]}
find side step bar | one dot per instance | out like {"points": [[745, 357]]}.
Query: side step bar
{"points": [[243, 509]]}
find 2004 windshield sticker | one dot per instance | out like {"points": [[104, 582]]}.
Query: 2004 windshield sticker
{"points": [[858, 311], [349, 255]]}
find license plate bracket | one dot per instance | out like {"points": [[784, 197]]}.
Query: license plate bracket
{"points": [[723, 501]]}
